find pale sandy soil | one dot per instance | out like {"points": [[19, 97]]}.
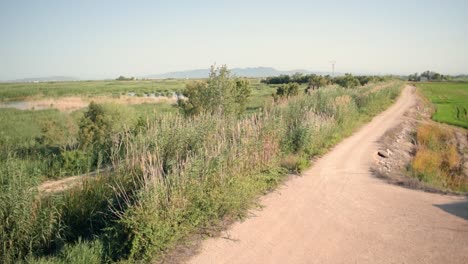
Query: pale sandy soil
{"points": [[72, 103], [339, 212], [60, 185]]}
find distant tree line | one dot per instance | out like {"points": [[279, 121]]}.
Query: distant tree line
{"points": [[284, 78], [315, 81], [290, 84], [123, 78], [461, 77], [428, 76], [286, 91]]}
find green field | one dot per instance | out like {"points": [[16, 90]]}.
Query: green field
{"points": [[19, 91], [450, 100]]}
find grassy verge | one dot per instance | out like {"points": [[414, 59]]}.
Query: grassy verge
{"points": [[437, 160], [176, 175]]}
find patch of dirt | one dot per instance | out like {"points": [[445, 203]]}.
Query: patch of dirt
{"points": [[56, 186], [72, 103], [60, 185]]}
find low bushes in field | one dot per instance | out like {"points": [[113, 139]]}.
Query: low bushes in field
{"points": [[174, 174], [437, 160], [286, 91]]}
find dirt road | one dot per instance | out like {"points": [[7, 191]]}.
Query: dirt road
{"points": [[337, 212]]}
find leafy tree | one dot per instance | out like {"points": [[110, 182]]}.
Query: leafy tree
{"points": [[94, 127], [347, 81], [413, 77], [281, 79], [123, 78], [428, 76], [58, 133], [100, 127], [301, 78], [220, 93], [317, 81], [287, 90], [363, 80], [293, 89]]}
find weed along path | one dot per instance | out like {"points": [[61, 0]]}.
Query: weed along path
{"points": [[338, 212]]}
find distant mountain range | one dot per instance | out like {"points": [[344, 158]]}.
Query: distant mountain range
{"points": [[47, 79], [254, 72]]}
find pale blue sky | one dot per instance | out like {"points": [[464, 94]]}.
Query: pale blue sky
{"points": [[103, 39]]}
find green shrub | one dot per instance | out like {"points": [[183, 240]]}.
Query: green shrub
{"points": [[220, 93], [75, 161], [85, 209], [100, 128], [83, 252], [347, 81], [286, 91], [295, 163]]}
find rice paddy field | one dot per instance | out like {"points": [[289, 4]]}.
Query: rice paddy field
{"points": [[450, 100]]}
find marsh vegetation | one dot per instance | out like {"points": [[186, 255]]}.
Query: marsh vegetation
{"points": [[171, 173]]}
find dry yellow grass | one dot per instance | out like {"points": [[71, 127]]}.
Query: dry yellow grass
{"points": [[72, 103], [432, 134], [437, 160], [427, 161], [452, 157], [342, 100]]}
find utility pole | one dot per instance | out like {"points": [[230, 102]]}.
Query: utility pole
{"points": [[333, 62]]}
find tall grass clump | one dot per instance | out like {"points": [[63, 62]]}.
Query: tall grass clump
{"points": [[82, 252], [28, 224], [437, 160]]}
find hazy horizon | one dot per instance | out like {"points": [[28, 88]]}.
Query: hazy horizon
{"points": [[90, 40]]}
